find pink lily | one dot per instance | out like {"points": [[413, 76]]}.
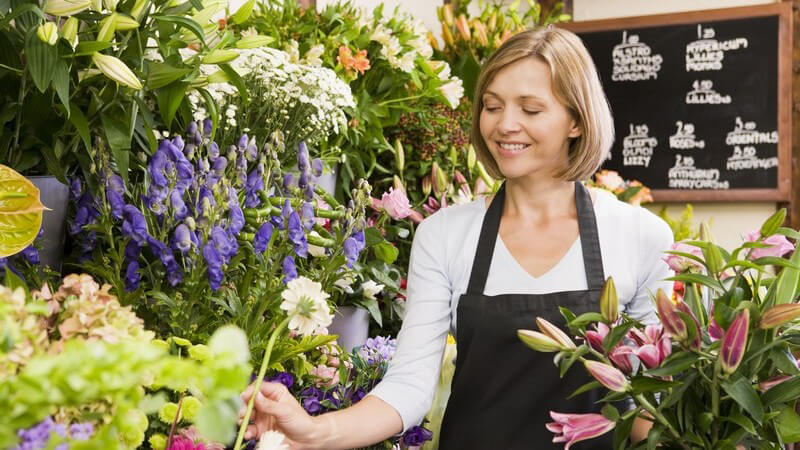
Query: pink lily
{"points": [[653, 355], [682, 307], [772, 382], [572, 428], [608, 376], [715, 332], [735, 342], [621, 357], [668, 314], [778, 245], [595, 338]]}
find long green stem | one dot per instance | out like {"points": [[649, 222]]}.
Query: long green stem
{"points": [[19, 112], [660, 417], [257, 387], [395, 100]]}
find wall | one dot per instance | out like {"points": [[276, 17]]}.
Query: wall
{"points": [[728, 220]]}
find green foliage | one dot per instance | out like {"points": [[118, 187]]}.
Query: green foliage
{"points": [[682, 226]]}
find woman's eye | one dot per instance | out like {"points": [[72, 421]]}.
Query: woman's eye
{"points": [[531, 112], [491, 108]]}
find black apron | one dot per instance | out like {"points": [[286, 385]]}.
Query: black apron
{"points": [[502, 391]]}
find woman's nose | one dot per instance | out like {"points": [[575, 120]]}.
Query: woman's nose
{"points": [[509, 123]]}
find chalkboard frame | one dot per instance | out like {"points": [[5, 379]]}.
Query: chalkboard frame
{"points": [[782, 192]]}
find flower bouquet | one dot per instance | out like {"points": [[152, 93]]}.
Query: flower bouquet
{"points": [[717, 371], [629, 191]]}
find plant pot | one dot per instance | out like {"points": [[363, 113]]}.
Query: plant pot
{"points": [[328, 180], [55, 196], [352, 326]]}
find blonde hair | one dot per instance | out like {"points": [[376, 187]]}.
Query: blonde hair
{"points": [[575, 84]]}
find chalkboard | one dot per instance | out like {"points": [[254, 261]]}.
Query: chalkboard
{"points": [[701, 101]]}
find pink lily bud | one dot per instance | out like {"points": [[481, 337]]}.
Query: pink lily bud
{"points": [[608, 376], [609, 302], [595, 338], [772, 382], [682, 307], [538, 341], [649, 355], [779, 315], [556, 334], [620, 356], [459, 177], [715, 332], [398, 185], [416, 217], [668, 314], [480, 187], [572, 428], [426, 185], [735, 342]]}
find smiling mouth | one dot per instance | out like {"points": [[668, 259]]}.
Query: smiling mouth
{"points": [[512, 148]]}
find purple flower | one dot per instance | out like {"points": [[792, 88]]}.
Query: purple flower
{"points": [[158, 167], [242, 144], [132, 251], [208, 126], [132, 277], [289, 269], [88, 244], [219, 165], [75, 188], [81, 431], [155, 198], [312, 405], [179, 209], [220, 239], [378, 350], [254, 185], [262, 237], [174, 271], [183, 166], [297, 235], [177, 142], [38, 436], [358, 395], [114, 192], [235, 219], [307, 213], [287, 209], [251, 152], [302, 182], [359, 237], [134, 224], [416, 436], [214, 262], [316, 167], [205, 193], [288, 181], [302, 157], [350, 251], [182, 238], [31, 254], [332, 398], [284, 378], [85, 213]]}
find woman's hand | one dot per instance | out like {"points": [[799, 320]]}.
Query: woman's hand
{"points": [[276, 409]]}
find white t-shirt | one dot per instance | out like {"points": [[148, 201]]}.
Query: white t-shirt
{"points": [[632, 242]]}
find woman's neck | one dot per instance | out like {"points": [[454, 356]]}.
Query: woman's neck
{"points": [[539, 200]]}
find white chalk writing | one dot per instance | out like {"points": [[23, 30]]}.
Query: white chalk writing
{"points": [[637, 147], [684, 175], [684, 138], [634, 60], [702, 93], [707, 53]]}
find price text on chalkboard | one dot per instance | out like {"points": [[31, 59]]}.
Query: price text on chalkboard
{"points": [[701, 101]]}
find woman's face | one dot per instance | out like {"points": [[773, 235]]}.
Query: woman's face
{"points": [[524, 126]]}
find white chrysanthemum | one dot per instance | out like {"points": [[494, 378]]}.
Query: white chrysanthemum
{"points": [[453, 90], [371, 288], [307, 303], [272, 440]]}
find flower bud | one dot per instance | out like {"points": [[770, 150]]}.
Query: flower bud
{"points": [[668, 314], [69, 31], [608, 376], [447, 14], [433, 41], [219, 56], [459, 178], [492, 22], [480, 33], [48, 33], [398, 184], [110, 5], [97, 5], [555, 333], [463, 27], [254, 41], [682, 307], [125, 23], [735, 342], [426, 185], [106, 31], [116, 70], [609, 302], [538, 341], [399, 155], [189, 221], [779, 315], [66, 7], [471, 158], [447, 36], [137, 9]]}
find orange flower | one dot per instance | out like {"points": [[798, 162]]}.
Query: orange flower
{"points": [[361, 63], [345, 57], [222, 23]]}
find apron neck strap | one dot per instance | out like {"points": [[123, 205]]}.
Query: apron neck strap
{"points": [[587, 226]]}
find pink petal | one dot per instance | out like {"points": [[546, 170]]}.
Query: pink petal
{"points": [[554, 427], [653, 333], [648, 353], [592, 432]]}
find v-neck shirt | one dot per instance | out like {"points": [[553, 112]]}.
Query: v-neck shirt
{"points": [[632, 242]]}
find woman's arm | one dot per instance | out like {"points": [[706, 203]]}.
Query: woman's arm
{"points": [[368, 421]]}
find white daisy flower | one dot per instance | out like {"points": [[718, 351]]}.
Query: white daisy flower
{"points": [[371, 289], [307, 303], [272, 440]]}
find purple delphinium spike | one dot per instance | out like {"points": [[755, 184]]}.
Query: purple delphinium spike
{"points": [[307, 213], [235, 219], [208, 126], [134, 224], [254, 185], [262, 237], [114, 194], [289, 269], [31, 254], [179, 209], [288, 181], [132, 277], [350, 251], [302, 157], [316, 167], [182, 239], [297, 235], [214, 263]]}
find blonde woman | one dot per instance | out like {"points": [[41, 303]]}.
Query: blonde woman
{"points": [[485, 269]]}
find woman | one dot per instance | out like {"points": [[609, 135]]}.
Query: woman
{"points": [[542, 122]]}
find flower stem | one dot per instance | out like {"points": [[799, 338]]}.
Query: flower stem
{"points": [[395, 100], [660, 417], [257, 387]]}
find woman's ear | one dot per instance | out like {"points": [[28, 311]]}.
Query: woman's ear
{"points": [[575, 130]]}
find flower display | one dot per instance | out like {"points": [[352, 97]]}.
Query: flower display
{"points": [[711, 352], [629, 191]]}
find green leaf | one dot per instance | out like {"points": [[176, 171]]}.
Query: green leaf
{"points": [[169, 99], [787, 391], [41, 58], [88, 47], [54, 166], [610, 412], [787, 424], [786, 285], [586, 318], [741, 420], [244, 12], [20, 212], [12, 281], [213, 110], [198, 5], [586, 387], [674, 364], [79, 121], [776, 261], [119, 142], [237, 81], [160, 74], [616, 335], [20, 10], [567, 363], [649, 384], [217, 420], [743, 263], [184, 22], [705, 280], [772, 224], [386, 252], [788, 232], [569, 316], [621, 433], [371, 305], [742, 391], [61, 83]]}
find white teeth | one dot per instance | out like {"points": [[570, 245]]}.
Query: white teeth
{"points": [[513, 147]]}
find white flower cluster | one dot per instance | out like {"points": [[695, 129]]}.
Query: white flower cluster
{"points": [[305, 101]]}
